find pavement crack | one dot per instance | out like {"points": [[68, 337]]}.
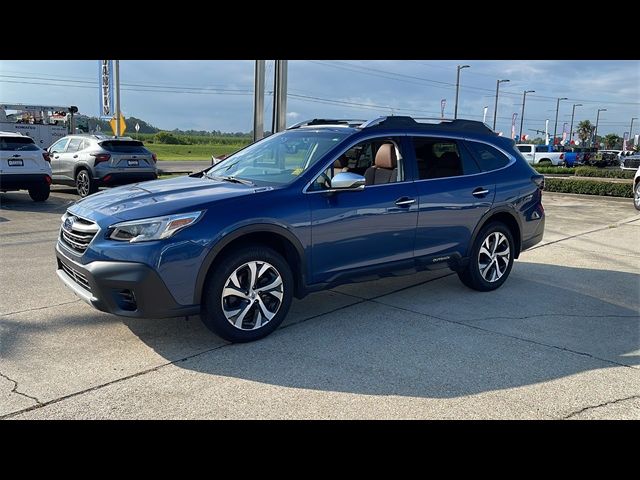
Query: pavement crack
{"points": [[607, 227], [103, 385], [15, 390], [528, 340], [604, 404], [39, 308]]}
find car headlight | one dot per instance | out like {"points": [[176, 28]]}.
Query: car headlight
{"points": [[148, 229]]}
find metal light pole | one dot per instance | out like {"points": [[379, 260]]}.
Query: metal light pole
{"points": [[524, 99], [495, 110], [555, 125], [460, 67], [258, 101], [573, 111], [595, 132], [117, 85], [631, 127]]}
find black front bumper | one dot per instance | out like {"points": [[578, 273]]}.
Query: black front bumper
{"points": [[123, 178], [123, 288], [22, 181]]}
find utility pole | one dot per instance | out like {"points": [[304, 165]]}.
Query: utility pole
{"points": [[495, 110], [524, 99], [573, 111], [460, 67], [555, 125], [282, 108], [595, 131], [258, 101], [117, 85]]}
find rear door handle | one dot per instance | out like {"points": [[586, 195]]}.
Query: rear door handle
{"points": [[57, 156], [480, 192], [405, 201], [75, 156]]}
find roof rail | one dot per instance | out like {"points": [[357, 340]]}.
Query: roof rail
{"points": [[443, 124], [349, 122]]}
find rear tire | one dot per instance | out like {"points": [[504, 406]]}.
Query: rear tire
{"points": [[85, 185], [40, 193], [491, 258], [636, 196], [545, 162], [247, 294]]}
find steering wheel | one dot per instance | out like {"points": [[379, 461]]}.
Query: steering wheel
{"points": [[323, 181]]}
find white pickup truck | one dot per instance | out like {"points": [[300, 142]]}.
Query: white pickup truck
{"points": [[540, 155]]}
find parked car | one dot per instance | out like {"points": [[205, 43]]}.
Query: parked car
{"points": [[631, 162], [89, 161], [636, 190], [24, 166], [235, 243], [542, 155]]}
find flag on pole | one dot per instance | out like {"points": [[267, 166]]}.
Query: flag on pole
{"points": [[484, 115], [564, 133], [513, 125], [546, 132], [625, 138], [443, 103], [636, 139]]}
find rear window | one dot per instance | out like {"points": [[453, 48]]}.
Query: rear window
{"points": [[488, 158], [524, 148], [124, 146], [17, 143]]}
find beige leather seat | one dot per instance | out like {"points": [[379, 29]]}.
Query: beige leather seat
{"points": [[385, 169]]}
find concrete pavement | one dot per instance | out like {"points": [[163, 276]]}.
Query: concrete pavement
{"points": [[561, 338]]}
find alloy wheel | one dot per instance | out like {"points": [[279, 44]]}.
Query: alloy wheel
{"points": [[82, 182], [252, 295], [494, 256]]}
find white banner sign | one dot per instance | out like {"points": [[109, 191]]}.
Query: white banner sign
{"points": [[106, 88]]}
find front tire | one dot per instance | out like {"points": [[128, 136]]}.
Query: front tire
{"points": [[85, 185], [636, 196], [40, 193], [491, 258], [247, 294]]}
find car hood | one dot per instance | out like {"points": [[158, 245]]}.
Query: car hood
{"points": [[156, 198]]}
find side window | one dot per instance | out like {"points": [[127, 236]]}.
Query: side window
{"points": [[74, 143], [440, 158], [361, 160], [525, 148], [59, 145], [85, 144], [488, 157]]}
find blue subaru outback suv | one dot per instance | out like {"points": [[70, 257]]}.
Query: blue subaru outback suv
{"points": [[323, 203]]}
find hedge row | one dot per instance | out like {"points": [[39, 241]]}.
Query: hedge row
{"points": [[554, 170], [588, 187], [598, 172]]}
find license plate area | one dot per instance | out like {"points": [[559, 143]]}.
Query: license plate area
{"points": [[133, 163], [16, 163]]}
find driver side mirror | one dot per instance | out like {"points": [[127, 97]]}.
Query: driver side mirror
{"points": [[347, 181]]}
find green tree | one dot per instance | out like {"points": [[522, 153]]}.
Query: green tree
{"points": [[584, 130], [611, 140]]}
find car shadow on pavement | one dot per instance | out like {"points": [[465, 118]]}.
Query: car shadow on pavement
{"points": [[438, 339], [20, 201]]}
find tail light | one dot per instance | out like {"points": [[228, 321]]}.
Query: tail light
{"points": [[100, 157], [538, 180], [107, 178], [47, 179], [46, 156], [562, 156], [155, 157]]}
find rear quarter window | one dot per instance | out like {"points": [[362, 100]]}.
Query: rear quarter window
{"points": [[488, 157], [124, 146], [17, 144]]}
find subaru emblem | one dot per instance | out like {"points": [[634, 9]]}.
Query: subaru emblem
{"points": [[68, 223]]}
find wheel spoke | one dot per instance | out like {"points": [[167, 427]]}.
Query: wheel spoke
{"points": [[277, 282], [263, 270], [484, 251], [268, 314], [496, 240], [253, 267], [231, 291], [240, 318]]}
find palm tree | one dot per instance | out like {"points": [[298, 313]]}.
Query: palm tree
{"points": [[611, 140], [584, 130]]}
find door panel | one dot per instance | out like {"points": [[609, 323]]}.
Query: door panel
{"points": [[359, 229], [58, 148]]}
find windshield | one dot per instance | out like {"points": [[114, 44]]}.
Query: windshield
{"points": [[278, 159]]}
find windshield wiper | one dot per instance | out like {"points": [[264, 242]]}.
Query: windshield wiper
{"points": [[232, 179]]}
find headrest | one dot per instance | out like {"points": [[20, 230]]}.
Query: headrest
{"points": [[386, 156], [341, 162], [449, 160]]}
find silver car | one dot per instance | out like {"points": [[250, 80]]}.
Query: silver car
{"points": [[91, 161]]}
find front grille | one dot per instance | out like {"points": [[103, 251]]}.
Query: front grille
{"points": [[632, 162], [77, 233], [78, 277]]}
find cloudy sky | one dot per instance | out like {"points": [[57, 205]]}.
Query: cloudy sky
{"points": [[217, 95]]}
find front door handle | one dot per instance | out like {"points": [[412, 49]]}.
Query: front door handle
{"points": [[57, 156], [405, 201], [480, 192], [75, 156]]}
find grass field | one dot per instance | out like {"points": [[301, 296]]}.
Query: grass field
{"points": [[190, 152]]}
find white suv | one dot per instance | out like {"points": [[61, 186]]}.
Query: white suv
{"points": [[24, 166], [636, 190]]}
